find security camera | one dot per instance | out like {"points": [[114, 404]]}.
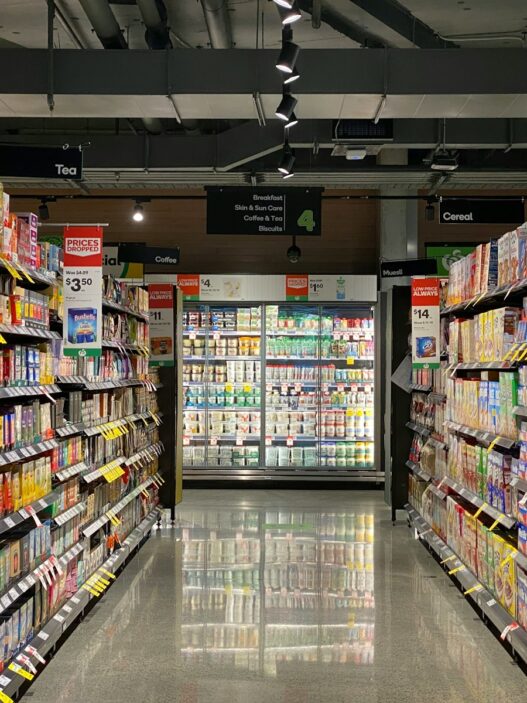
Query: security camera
{"points": [[294, 254]]}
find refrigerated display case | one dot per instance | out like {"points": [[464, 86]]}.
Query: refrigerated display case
{"points": [[279, 389]]}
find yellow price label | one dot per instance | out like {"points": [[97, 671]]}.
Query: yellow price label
{"points": [[457, 568], [246, 591], [350, 361], [368, 412], [480, 510], [350, 565], [108, 573], [351, 620], [145, 493], [247, 388], [90, 590], [350, 412], [229, 387], [359, 412], [228, 589], [477, 587], [104, 581], [491, 445], [21, 672], [448, 559], [494, 525], [9, 266], [4, 698]]}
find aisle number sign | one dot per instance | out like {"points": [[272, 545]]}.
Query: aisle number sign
{"points": [[425, 323], [82, 291], [161, 307]]}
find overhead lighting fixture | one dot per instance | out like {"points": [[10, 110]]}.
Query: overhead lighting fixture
{"points": [[355, 154], [285, 110], [287, 161], [430, 211], [293, 120], [294, 253], [288, 175], [444, 161], [292, 77], [290, 15], [287, 4], [138, 215], [288, 56], [43, 210]]}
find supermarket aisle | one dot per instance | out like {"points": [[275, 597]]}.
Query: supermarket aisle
{"points": [[281, 596]]}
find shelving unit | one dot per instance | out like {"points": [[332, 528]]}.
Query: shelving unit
{"points": [[72, 426], [298, 402], [466, 498]]}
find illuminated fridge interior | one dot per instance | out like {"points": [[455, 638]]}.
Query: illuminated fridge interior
{"points": [[279, 389]]}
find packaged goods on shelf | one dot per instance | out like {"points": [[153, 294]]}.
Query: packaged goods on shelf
{"points": [[474, 274], [123, 328], [133, 297], [110, 366], [105, 406], [486, 404]]}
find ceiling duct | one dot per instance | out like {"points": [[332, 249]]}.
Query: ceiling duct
{"points": [[154, 14], [107, 29], [104, 23], [218, 23], [362, 131]]}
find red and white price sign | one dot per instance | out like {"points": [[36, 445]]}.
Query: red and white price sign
{"points": [[268, 440], [426, 340], [239, 441], [186, 440], [298, 387], [31, 510], [213, 440], [289, 441], [284, 388]]}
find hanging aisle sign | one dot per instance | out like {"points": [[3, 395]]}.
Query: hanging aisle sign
{"points": [[82, 291], [261, 211], [161, 307], [426, 352]]}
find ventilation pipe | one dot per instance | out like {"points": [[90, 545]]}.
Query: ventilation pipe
{"points": [[154, 14], [107, 29], [218, 23]]}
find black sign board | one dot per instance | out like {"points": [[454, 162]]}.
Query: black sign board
{"points": [[40, 162], [139, 254], [481, 212], [290, 211], [408, 267]]}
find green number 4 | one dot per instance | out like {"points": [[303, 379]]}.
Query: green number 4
{"points": [[306, 220]]}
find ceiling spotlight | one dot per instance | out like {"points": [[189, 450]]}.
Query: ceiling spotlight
{"points": [[444, 161], [43, 210], [286, 108], [288, 175], [287, 161], [292, 121], [138, 215], [288, 56], [291, 14], [292, 77], [294, 253], [430, 211], [287, 4]]}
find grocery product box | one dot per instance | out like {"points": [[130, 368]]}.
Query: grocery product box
{"points": [[505, 323], [521, 602], [504, 259], [505, 573]]}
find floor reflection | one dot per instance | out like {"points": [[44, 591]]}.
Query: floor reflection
{"points": [[265, 590]]}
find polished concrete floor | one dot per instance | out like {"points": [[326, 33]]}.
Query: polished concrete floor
{"points": [[282, 596]]}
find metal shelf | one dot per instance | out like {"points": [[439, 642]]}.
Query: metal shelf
{"points": [[14, 519], [419, 387], [92, 527], [223, 333], [104, 385], [23, 584], [286, 473], [477, 302], [485, 365], [485, 600], [485, 438], [506, 521], [112, 305], [46, 639], [418, 471], [519, 483], [420, 429], [70, 471], [23, 453], [28, 331], [12, 392], [69, 514]]}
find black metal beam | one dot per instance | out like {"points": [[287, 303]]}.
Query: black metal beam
{"points": [[341, 24], [245, 71], [249, 142], [403, 22]]}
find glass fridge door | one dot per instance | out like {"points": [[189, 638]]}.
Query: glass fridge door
{"points": [[292, 381], [347, 428], [222, 383]]}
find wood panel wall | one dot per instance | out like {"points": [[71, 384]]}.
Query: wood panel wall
{"points": [[349, 241]]}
